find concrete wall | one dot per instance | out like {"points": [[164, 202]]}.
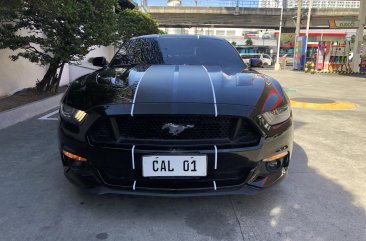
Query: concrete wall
{"points": [[17, 75], [21, 74]]}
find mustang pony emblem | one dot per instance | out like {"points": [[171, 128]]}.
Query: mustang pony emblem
{"points": [[175, 129]]}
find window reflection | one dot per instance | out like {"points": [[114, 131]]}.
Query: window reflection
{"points": [[178, 51]]}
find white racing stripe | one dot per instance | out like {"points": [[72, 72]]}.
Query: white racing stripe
{"points": [[96, 78], [176, 73], [134, 97], [213, 90], [215, 157], [134, 185], [133, 157]]}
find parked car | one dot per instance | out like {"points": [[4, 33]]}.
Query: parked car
{"points": [[266, 36], [265, 58], [256, 63], [175, 115], [252, 61]]}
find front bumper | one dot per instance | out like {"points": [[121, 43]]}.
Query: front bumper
{"points": [[239, 170], [242, 189]]}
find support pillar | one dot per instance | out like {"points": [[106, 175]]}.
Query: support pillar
{"points": [[298, 18], [359, 37], [174, 3]]}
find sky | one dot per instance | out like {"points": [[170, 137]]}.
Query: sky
{"points": [[214, 3]]}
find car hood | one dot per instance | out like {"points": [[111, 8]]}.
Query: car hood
{"points": [[170, 84]]}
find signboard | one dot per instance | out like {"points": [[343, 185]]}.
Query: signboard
{"points": [[299, 53], [343, 24], [363, 66], [320, 56], [327, 52], [287, 40]]}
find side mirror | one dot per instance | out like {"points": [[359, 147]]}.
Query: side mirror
{"points": [[120, 60], [100, 62]]}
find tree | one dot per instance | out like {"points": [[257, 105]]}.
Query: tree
{"points": [[249, 42], [233, 43], [57, 32], [132, 23]]}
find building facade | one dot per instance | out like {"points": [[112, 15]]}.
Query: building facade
{"points": [[305, 3], [325, 4], [269, 3]]}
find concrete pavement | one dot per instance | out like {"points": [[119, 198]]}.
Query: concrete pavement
{"points": [[21, 113], [322, 198]]}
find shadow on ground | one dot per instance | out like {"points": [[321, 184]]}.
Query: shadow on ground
{"points": [[305, 206]]}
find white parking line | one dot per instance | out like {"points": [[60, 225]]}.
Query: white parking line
{"points": [[47, 117]]}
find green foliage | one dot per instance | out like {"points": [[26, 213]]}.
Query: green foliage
{"points": [[58, 30], [132, 23], [233, 43], [54, 32], [249, 42], [5, 4]]}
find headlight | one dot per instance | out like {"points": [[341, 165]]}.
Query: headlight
{"points": [[278, 115], [71, 114]]}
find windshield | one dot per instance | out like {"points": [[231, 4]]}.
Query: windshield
{"points": [[178, 51]]}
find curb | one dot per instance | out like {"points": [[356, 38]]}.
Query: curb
{"points": [[24, 112]]}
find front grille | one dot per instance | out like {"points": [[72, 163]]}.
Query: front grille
{"points": [[151, 128], [148, 130], [102, 132]]}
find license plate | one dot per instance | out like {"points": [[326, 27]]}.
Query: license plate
{"points": [[174, 166]]}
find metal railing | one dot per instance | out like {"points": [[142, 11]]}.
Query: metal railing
{"points": [[240, 3], [205, 3], [257, 3]]}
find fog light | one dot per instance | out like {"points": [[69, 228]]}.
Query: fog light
{"points": [[274, 165], [74, 156]]}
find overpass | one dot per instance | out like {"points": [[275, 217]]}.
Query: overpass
{"points": [[236, 17]]}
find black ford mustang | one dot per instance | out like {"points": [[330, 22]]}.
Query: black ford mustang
{"points": [[175, 115]]}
